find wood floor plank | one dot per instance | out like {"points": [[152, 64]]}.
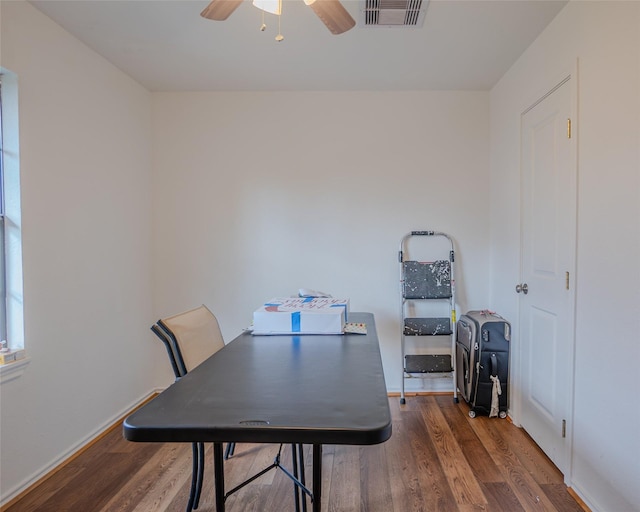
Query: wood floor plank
{"points": [[406, 491], [529, 494], [166, 458], [561, 499], [345, 492], [112, 442], [375, 489], [280, 494], [249, 500], [248, 460], [456, 468], [169, 483], [532, 457], [263, 459], [328, 453], [500, 497], [476, 454], [436, 491], [46, 492], [435, 461], [99, 486]]}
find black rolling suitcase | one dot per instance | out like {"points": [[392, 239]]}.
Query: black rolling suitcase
{"points": [[482, 352]]}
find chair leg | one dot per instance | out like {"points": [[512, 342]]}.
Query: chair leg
{"points": [[200, 476], [231, 447], [194, 477], [302, 479]]}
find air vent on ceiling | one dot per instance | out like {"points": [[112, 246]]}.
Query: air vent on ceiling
{"points": [[394, 13]]}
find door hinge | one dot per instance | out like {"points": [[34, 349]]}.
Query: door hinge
{"points": [[564, 428], [566, 280], [568, 128]]}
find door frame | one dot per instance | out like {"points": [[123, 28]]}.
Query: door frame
{"points": [[572, 77]]}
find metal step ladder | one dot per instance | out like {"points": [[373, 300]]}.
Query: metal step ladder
{"points": [[425, 283]]}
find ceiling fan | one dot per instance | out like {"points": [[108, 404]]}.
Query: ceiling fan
{"points": [[331, 12]]}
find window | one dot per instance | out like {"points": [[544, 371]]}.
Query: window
{"points": [[3, 287], [11, 297]]}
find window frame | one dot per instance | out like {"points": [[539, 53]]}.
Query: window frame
{"points": [[12, 297], [3, 267]]}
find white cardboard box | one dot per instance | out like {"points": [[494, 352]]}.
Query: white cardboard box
{"points": [[301, 315]]}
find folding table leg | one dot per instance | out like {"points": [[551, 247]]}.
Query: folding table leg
{"points": [[317, 477], [218, 471], [296, 491]]}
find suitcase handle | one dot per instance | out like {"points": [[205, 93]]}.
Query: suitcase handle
{"points": [[494, 365]]}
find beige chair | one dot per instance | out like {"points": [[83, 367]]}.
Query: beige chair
{"points": [[196, 336], [190, 338]]}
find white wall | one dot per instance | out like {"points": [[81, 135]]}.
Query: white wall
{"points": [[259, 194], [605, 38], [86, 204]]}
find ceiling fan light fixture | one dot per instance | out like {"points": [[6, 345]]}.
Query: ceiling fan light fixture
{"points": [[331, 12], [270, 6]]}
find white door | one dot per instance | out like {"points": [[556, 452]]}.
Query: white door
{"points": [[546, 299]]}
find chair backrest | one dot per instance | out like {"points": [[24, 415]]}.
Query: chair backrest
{"points": [[168, 344], [195, 335]]}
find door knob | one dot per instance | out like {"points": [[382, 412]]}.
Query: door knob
{"points": [[524, 288]]}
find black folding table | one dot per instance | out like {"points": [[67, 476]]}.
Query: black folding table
{"points": [[310, 389]]}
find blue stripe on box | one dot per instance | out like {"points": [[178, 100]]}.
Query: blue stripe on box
{"points": [[341, 306], [307, 299], [295, 321]]}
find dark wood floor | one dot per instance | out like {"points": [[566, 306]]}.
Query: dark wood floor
{"points": [[438, 459]]}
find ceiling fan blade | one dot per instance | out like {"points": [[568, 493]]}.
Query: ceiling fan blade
{"points": [[332, 14], [220, 10]]}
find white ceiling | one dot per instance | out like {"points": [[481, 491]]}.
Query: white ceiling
{"points": [[167, 46]]}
